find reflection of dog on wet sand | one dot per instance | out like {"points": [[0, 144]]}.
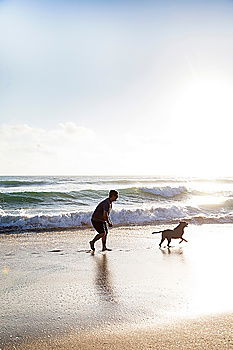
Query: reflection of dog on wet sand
{"points": [[176, 233]]}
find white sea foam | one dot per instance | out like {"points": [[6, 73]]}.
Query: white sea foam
{"points": [[122, 217], [2, 212]]}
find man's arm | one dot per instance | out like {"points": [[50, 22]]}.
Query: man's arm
{"points": [[107, 218]]}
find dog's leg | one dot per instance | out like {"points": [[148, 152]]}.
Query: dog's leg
{"points": [[169, 241], [162, 239]]}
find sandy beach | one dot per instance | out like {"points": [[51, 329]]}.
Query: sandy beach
{"points": [[208, 333], [57, 295]]}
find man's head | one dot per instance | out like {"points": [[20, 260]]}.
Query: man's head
{"points": [[113, 195]]}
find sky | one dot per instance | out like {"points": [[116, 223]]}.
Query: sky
{"points": [[116, 87]]}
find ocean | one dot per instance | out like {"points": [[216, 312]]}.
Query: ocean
{"points": [[34, 203]]}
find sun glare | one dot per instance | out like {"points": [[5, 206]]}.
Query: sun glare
{"points": [[203, 116], [207, 104]]}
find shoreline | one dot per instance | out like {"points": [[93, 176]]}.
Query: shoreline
{"points": [[87, 227]]}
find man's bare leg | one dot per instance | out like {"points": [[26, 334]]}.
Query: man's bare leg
{"points": [[96, 238], [104, 239]]}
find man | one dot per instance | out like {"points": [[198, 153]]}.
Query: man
{"points": [[100, 218]]}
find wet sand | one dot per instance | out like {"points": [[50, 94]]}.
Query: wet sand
{"points": [[57, 295], [199, 334]]}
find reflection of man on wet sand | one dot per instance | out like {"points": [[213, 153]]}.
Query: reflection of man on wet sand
{"points": [[103, 279], [100, 219]]}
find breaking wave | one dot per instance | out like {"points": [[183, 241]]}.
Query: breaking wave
{"points": [[16, 223]]}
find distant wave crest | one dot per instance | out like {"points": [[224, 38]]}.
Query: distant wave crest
{"points": [[16, 183], [167, 191], [35, 197]]}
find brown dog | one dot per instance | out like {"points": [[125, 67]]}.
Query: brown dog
{"points": [[176, 233]]}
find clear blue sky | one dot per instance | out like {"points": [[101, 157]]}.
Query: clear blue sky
{"points": [[114, 87]]}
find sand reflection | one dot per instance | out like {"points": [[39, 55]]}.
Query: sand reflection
{"points": [[174, 253], [103, 280], [211, 270]]}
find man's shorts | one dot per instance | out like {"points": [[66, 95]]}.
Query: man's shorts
{"points": [[100, 226]]}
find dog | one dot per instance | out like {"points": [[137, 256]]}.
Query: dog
{"points": [[176, 233]]}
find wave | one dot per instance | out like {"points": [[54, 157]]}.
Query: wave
{"points": [[228, 204], [35, 197], [17, 183], [139, 181], [200, 180], [21, 223], [77, 180], [167, 192], [88, 195], [153, 192], [154, 180], [226, 180]]}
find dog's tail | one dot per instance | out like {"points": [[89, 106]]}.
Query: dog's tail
{"points": [[156, 232]]}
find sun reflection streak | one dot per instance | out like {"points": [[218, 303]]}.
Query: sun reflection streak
{"points": [[212, 289]]}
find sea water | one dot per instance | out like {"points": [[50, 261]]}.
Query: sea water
{"points": [[62, 202]]}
